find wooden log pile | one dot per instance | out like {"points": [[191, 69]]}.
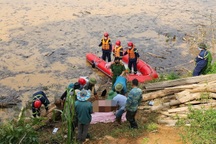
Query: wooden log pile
{"points": [[173, 98]]}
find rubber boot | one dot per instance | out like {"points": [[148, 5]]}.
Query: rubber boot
{"points": [[118, 120]]}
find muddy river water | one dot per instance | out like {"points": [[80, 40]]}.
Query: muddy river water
{"points": [[43, 43]]}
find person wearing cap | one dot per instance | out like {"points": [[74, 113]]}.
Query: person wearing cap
{"points": [[106, 47], [90, 85], [203, 60], [76, 86], [39, 98], [117, 68], [133, 100], [120, 101], [83, 110], [133, 57], [123, 81], [111, 95]]}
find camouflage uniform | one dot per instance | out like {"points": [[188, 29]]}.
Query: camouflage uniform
{"points": [[133, 100], [117, 70]]}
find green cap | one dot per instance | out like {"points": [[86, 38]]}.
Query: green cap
{"points": [[202, 45], [92, 81], [111, 95], [118, 87]]}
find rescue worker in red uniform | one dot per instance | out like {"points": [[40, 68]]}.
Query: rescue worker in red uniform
{"points": [[118, 50], [106, 47], [133, 57]]}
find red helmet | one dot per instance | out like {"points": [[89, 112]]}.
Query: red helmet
{"points": [[82, 81], [130, 44], [37, 104], [118, 42], [106, 34]]}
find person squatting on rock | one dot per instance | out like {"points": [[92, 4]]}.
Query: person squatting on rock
{"points": [[106, 47], [132, 103], [117, 68], [118, 50], [83, 110], [39, 98], [120, 101], [76, 86], [203, 60], [90, 85], [133, 57]]}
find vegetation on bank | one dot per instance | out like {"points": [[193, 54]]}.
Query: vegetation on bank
{"points": [[33, 131], [202, 127]]}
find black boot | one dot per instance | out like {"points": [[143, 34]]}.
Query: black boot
{"points": [[118, 120]]}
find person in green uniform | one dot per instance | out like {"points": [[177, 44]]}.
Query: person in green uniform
{"points": [[117, 68]]}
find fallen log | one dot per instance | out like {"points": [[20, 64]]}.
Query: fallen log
{"points": [[186, 109], [165, 105], [158, 94], [193, 102], [184, 87], [206, 87], [202, 101], [178, 82], [186, 96], [212, 95], [173, 115]]}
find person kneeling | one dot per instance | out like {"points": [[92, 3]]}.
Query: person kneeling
{"points": [[120, 102]]}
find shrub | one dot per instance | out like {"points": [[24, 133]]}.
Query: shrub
{"points": [[15, 133], [213, 69], [202, 129]]}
